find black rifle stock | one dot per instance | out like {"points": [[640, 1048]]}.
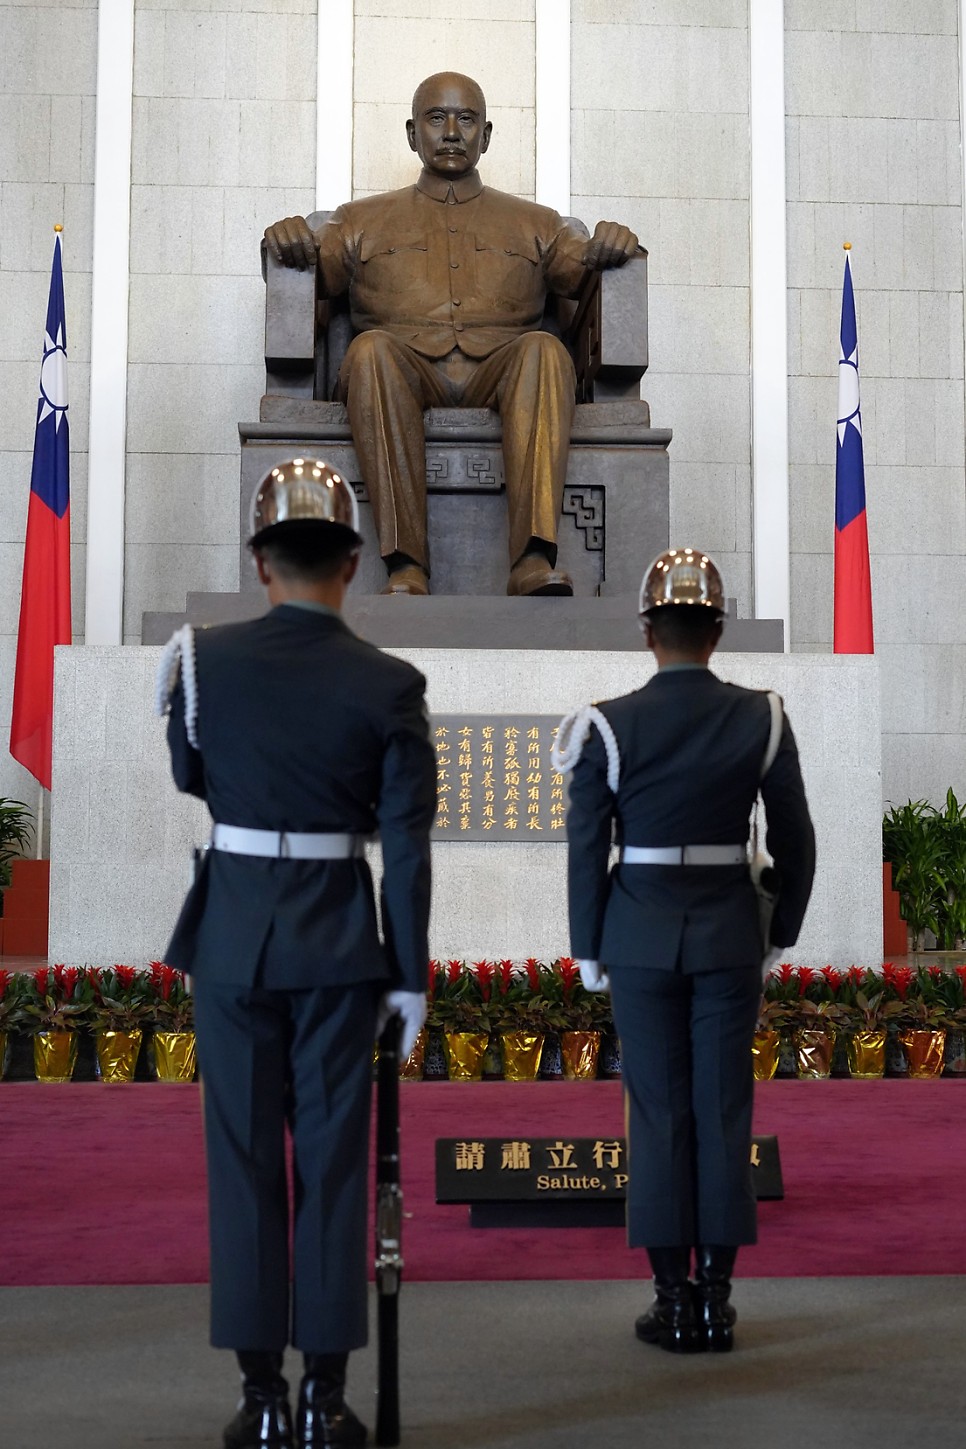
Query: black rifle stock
{"points": [[389, 1261]]}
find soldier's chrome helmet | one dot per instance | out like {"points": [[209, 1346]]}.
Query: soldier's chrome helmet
{"points": [[682, 576], [304, 491]]}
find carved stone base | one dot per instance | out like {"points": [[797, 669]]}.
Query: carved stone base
{"points": [[615, 508]]}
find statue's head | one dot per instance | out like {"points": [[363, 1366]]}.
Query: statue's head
{"points": [[449, 131]]}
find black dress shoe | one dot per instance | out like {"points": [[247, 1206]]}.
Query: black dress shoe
{"points": [[671, 1322], [714, 1266], [263, 1421], [324, 1417]]}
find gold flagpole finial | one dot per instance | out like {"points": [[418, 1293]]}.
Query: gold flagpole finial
{"points": [[846, 246], [57, 226]]}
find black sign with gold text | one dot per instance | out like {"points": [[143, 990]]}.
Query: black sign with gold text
{"points": [[562, 1169], [494, 779]]}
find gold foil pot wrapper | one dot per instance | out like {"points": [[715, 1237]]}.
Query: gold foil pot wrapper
{"points": [[117, 1054], [867, 1054], [55, 1055], [813, 1054], [924, 1052], [579, 1051], [465, 1051], [765, 1050], [175, 1056], [522, 1051], [411, 1067]]}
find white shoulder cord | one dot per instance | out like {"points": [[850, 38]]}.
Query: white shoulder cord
{"points": [[768, 759], [178, 656], [572, 735]]}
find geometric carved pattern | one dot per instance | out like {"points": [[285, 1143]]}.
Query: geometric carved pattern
{"points": [[586, 507], [462, 470]]}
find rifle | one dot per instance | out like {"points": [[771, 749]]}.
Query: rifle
{"points": [[389, 1261]]}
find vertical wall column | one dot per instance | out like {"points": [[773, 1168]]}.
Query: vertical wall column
{"points": [[333, 104], [109, 323], [962, 133], [769, 325], [552, 102]]}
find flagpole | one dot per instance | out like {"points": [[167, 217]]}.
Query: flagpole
{"points": [[39, 832]]}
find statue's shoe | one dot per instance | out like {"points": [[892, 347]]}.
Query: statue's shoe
{"points": [[410, 579], [534, 574]]}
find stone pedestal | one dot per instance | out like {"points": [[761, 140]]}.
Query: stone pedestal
{"points": [[121, 835]]}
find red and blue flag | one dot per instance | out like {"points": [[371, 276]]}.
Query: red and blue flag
{"points": [[45, 595], [852, 631]]}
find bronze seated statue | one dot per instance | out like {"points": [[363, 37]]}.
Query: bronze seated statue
{"points": [[452, 317]]}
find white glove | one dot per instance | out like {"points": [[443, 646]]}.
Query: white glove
{"points": [[593, 976], [410, 1006], [771, 959]]}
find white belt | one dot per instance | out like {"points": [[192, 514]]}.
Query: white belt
{"points": [[684, 855], [287, 844]]}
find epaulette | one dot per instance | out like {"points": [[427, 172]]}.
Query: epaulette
{"points": [[573, 733], [178, 658]]}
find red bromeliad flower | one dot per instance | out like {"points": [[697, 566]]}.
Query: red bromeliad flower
{"points": [[569, 974], [167, 979], [454, 970], [532, 967], [784, 972], [806, 975], [94, 975], [902, 979], [855, 975], [504, 976], [833, 979], [484, 972], [961, 973], [125, 976], [42, 980], [5, 979], [434, 967]]}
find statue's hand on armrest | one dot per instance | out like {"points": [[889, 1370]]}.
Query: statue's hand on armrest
{"points": [[610, 246], [292, 243]]}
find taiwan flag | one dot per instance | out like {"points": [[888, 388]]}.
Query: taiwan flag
{"points": [[45, 595], [852, 633]]}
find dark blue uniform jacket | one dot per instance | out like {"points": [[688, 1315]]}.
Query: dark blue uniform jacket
{"points": [[304, 727], [691, 750]]}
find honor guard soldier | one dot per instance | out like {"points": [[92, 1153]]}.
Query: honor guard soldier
{"points": [[674, 930], [303, 740]]}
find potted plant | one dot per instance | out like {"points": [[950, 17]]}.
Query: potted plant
{"points": [[917, 1014], [862, 996], [55, 1003], [520, 1019], [952, 989], [913, 845], [11, 991], [120, 1005], [172, 1019], [777, 1016], [458, 1009], [818, 1015], [949, 827], [16, 829], [576, 1014]]}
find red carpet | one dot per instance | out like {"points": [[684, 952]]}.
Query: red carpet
{"points": [[106, 1184]]}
